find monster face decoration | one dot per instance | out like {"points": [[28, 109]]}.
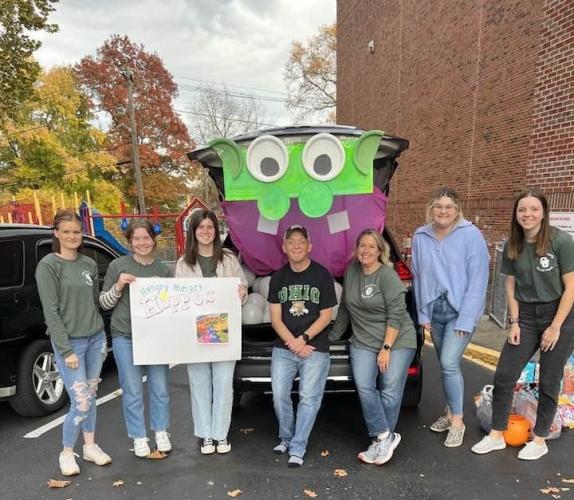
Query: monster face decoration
{"points": [[272, 172]]}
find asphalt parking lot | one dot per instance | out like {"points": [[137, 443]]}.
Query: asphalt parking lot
{"points": [[421, 468]]}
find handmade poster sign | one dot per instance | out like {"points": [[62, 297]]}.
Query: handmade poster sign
{"points": [[185, 320]]}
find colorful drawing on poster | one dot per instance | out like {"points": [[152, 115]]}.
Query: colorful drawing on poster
{"points": [[212, 329]]}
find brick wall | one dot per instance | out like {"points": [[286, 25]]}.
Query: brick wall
{"points": [[482, 89]]}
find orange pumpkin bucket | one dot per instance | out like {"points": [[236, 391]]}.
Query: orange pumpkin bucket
{"points": [[516, 434]]}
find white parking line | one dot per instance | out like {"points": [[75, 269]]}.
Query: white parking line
{"points": [[60, 420]]}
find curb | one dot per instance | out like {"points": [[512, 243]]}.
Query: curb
{"points": [[473, 351]]}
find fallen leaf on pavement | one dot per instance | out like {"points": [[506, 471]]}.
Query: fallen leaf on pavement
{"points": [[310, 493], [325, 453], [117, 483], [246, 430], [57, 483], [550, 489], [340, 472], [234, 493], [556, 496], [564, 489], [157, 455], [571, 481]]}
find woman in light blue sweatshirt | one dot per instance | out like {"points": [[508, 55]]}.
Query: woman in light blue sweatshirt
{"points": [[450, 265]]}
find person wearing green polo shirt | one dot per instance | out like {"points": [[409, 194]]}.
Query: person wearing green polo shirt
{"points": [[538, 262]]}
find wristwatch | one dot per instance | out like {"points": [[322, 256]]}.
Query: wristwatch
{"points": [[386, 347], [306, 338], [512, 320]]}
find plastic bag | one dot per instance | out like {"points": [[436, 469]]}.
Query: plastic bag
{"points": [[526, 403], [483, 402]]}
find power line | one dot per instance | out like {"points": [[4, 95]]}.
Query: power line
{"points": [[225, 118]]}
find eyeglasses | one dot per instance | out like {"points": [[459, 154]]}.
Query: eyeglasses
{"points": [[444, 207]]}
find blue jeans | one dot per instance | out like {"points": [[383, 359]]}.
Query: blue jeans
{"points": [[211, 387], [133, 394], [380, 394], [82, 385], [313, 372], [449, 349]]}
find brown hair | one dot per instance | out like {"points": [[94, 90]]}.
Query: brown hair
{"points": [[137, 224], [516, 238], [191, 244], [63, 215], [385, 257], [437, 195]]}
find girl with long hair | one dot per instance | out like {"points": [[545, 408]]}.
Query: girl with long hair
{"points": [[210, 383], [538, 262]]}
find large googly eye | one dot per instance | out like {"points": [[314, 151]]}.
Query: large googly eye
{"points": [[267, 158], [323, 157]]}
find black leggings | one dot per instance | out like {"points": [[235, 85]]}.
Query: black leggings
{"points": [[534, 318]]}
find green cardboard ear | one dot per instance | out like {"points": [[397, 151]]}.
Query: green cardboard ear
{"points": [[230, 155], [366, 149]]}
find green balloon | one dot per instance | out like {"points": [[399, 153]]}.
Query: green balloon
{"points": [[274, 204], [315, 199]]}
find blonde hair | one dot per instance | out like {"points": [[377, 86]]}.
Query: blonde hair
{"points": [[437, 195], [385, 256]]}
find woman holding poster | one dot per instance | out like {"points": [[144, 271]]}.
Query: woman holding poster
{"points": [[116, 295], [210, 384]]}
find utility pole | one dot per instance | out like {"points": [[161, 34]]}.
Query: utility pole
{"points": [[135, 147]]}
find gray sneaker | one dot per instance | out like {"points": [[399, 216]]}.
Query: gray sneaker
{"points": [[454, 437], [371, 453], [533, 451], [281, 448], [442, 424], [487, 444], [387, 448]]}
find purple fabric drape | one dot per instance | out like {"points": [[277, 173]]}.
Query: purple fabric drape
{"points": [[262, 252]]}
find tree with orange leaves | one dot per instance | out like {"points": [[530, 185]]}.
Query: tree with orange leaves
{"points": [[161, 135]]}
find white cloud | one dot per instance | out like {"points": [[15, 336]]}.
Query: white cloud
{"points": [[236, 42]]}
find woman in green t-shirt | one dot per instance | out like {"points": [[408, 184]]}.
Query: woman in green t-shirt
{"points": [[383, 343], [141, 263], [538, 262], [68, 287]]}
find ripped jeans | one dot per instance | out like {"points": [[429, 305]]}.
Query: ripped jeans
{"points": [[82, 384]]}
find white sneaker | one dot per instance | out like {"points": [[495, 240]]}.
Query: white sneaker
{"points": [[223, 446], [162, 441], [487, 444], [93, 453], [141, 448], [68, 465], [533, 451], [207, 447]]}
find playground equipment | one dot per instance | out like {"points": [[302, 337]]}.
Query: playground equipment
{"points": [[93, 221]]}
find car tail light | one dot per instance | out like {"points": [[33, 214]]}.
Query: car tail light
{"points": [[413, 371], [403, 270]]}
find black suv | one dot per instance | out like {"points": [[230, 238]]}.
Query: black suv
{"points": [[253, 370], [29, 377]]}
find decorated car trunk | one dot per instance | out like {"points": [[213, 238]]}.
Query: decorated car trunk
{"points": [[332, 180]]}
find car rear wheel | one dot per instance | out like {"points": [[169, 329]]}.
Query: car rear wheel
{"points": [[413, 391], [39, 385]]}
